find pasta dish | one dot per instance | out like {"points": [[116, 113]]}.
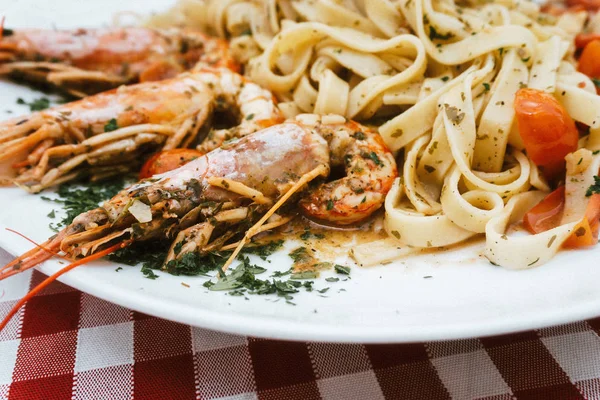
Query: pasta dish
{"points": [[442, 120]]}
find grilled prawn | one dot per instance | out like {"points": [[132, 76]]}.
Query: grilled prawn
{"points": [[369, 167], [210, 201], [88, 61], [111, 133]]}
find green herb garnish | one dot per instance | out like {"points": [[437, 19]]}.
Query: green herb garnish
{"points": [[300, 255], [308, 234], [329, 205], [433, 34], [305, 275], [595, 188], [340, 269], [111, 125], [373, 156], [265, 250], [37, 104]]}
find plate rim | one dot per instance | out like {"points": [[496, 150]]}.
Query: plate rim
{"points": [[283, 329]]}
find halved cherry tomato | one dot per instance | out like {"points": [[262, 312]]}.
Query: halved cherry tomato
{"points": [[589, 62], [559, 9], [547, 130], [167, 161], [589, 5], [583, 39], [547, 213], [586, 232]]}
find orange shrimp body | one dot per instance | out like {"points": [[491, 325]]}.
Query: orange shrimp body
{"points": [[369, 166], [114, 132], [87, 61]]}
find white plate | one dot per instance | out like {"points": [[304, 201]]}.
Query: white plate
{"points": [[465, 296]]}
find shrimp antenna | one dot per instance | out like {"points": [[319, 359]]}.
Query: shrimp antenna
{"points": [[40, 246], [33, 257], [57, 274], [320, 170]]}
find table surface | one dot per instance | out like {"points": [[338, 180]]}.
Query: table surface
{"points": [[65, 344]]}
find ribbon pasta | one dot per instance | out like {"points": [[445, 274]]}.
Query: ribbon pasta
{"points": [[440, 79]]}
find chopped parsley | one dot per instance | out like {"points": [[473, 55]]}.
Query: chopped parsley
{"points": [[264, 250], [178, 247], [305, 275], [329, 205], [191, 264], [340, 269], [595, 188], [111, 125], [373, 156], [149, 273], [308, 234], [454, 115], [300, 255], [358, 135], [433, 34], [242, 280], [486, 86], [429, 168], [332, 279], [37, 104]]}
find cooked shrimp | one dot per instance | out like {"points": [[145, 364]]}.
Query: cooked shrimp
{"points": [[207, 201], [211, 200], [112, 132], [88, 61], [369, 166], [254, 108]]}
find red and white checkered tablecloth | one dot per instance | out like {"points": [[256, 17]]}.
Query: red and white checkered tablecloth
{"points": [[66, 344]]}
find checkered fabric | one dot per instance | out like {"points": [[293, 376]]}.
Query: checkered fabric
{"points": [[66, 344]]}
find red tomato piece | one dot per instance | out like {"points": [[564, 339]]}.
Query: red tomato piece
{"points": [[547, 213], [589, 62], [167, 161], [547, 130]]}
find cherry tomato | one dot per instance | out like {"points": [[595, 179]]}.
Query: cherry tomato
{"points": [[589, 62], [547, 213], [583, 39], [547, 130], [168, 160], [589, 5], [586, 233]]}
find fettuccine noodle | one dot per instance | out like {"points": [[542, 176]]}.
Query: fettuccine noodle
{"points": [[440, 78]]}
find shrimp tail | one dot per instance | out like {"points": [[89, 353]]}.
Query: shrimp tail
{"points": [[56, 275]]}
